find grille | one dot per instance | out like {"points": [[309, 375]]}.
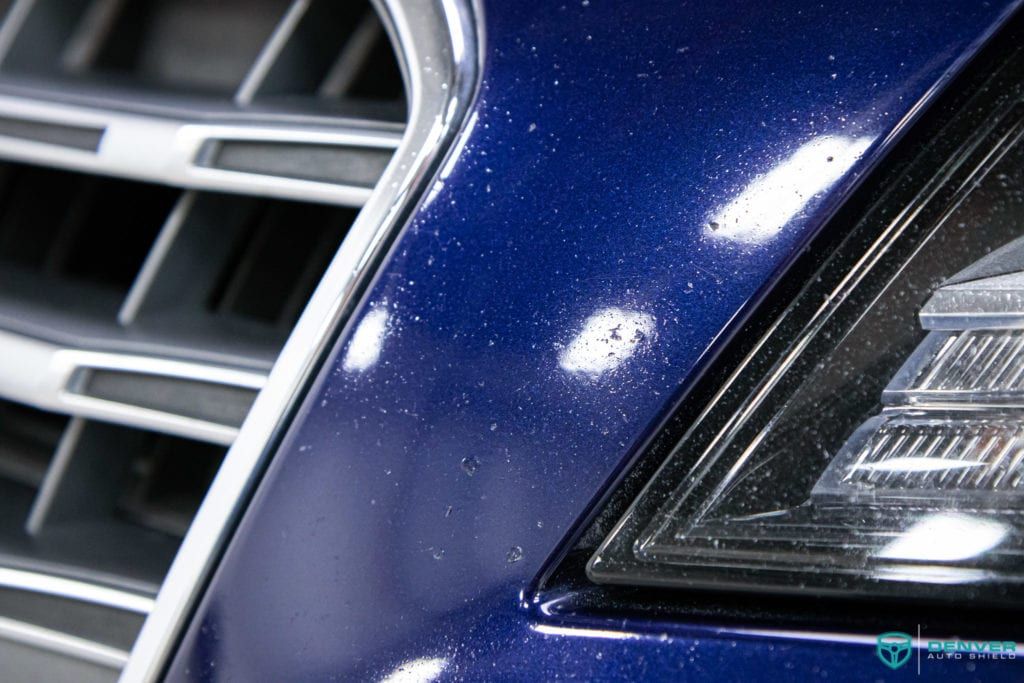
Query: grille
{"points": [[175, 177]]}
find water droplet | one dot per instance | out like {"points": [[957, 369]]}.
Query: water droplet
{"points": [[437, 553], [515, 554], [470, 465], [532, 127]]}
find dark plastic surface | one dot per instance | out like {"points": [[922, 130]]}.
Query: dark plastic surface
{"points": [[79, 137], [359, 166], [228, 289], [193, 54], [217, 403]]}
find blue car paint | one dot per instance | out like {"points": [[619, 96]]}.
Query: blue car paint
{"points": [[435, 471]]}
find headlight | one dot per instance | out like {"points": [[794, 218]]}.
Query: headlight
{"points": [[874, 440]]}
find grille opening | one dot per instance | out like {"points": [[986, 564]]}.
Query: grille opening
{"points": [[229, 286], [42, 36], [238, 273], [278, 257], [113, 505], [329, 55], [28, 438], [187, 46], [338, 52], [29, 228], [167, 483], [78, 228], [318, 41], [381, 79]]}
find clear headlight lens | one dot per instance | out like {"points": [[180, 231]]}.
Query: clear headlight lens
{"points": [[875, 441]]}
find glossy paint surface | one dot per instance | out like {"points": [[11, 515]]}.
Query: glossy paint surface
{"points": [[633, 177]]}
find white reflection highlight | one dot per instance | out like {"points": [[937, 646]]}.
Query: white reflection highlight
{"points": [[365, 347], [945, 537], [936, 574], [608, 338], [770, 201], [574, 632], [421, 670], [918, 465], [454, 21]]}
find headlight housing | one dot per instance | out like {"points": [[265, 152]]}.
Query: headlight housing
{"points": [[873, 441]]}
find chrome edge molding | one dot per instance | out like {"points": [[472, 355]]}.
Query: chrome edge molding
{"points": [[81, 591], [62, 644], [439, 44], [44, 375], [174, 146]]}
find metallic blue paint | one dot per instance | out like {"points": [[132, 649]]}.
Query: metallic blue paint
{"points": [[423, 488]]}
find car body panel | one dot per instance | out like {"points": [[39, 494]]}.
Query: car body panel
{"points": [[547, 307]]}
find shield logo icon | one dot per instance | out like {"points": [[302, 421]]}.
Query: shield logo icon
{"points": [[893, 648]]}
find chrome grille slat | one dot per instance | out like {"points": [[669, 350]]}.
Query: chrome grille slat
{"points": [[175, 149]]}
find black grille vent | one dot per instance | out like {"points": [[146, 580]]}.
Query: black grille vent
{"points": [[89, 231], [175, 177], [28, 439], [244, 50]]}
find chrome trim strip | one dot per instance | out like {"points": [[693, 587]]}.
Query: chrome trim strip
{"points": [[82, 591], [444, 36], [62, 644], [173, 146], [43, 375]]}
